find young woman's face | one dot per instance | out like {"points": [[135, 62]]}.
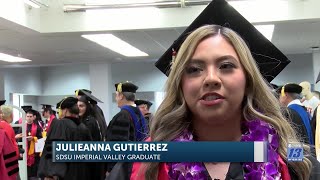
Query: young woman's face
{"points": [[214, 81], [82, 108]]}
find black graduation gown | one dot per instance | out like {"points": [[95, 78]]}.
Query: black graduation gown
{"points": [[314, 124], [66, 129], [98, 170], [121, 128], [297, 123]]}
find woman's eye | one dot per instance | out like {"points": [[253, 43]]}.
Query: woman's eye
{"points": [[192, 70], [227, 66]]}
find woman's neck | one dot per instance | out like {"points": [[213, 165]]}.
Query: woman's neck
{"points": [[228, 131]]}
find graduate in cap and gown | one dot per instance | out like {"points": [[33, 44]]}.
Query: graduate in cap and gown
{"points": [[290, 97], [96, 109], [129, 124], [144, 107], [50, 115], [68, 128], [217, 91], [90, 117]]}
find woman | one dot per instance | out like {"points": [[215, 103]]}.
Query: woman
{"points": [[89, 118], [215, 92]]}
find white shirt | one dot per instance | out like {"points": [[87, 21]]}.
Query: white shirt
{"points": [[296, 101]]}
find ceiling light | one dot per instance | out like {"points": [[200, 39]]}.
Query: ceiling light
{"points": [[115, 44], [266, 30], [9, 58], [32, 3]]}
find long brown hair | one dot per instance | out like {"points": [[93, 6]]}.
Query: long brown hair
{"points": [[171, 117]]}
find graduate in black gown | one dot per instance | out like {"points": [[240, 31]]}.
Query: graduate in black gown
{"points": [[68, 128], [144, 106], [89, 117], [33, 132], [129, 124], [290, 97], [97, 110]]}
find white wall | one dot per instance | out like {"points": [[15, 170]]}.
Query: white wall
{"points": [[22, 80], [31, 101], [300, 69], [62, 80], [144, 75]]}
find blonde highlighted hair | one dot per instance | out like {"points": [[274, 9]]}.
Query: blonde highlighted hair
{"points": [[6, 111], [171, 117]]}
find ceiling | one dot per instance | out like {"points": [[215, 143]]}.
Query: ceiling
{"points": [[44, 49]]}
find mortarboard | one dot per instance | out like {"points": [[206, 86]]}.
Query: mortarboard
{"points": [[32, 111], [2, 102], [271, 60], [318, 78], [274, 86], [46, 106], [88, 96], [26, 108], [67, 102], [80, 92], [290, 88], [138, 102], [126, 87]]}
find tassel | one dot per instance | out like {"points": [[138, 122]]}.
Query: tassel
{"points": [[119, 87]]}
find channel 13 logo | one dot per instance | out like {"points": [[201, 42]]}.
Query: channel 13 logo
{"points": [[295, 152]]}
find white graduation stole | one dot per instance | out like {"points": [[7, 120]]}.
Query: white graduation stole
{"points": [[317, 134]]}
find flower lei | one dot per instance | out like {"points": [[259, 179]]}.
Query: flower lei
{"points": [[255, 130]]}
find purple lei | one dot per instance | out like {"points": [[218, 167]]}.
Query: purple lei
{"points": [[255, 130]]}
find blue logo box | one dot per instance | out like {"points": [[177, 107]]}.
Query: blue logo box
{"points": [[295, 152]]}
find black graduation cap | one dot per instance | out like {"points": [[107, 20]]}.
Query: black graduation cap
{"points": [[80, 92], [2, 102], [46, 106], [318, 78], [88, 96], [138, 102], [290, 88], [26, 108], [274, 86], [67, 102], [270, 60], [126, 87]]}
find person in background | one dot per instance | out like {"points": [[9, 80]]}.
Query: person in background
{"points": [[68, 128], [290, 97], [128, 124], [9, 151], [97, 110], [309, 100], [89, 117], [144, 107], [9, 168], [33, 133], [49, 115], [7, 118], [16, 129]]}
